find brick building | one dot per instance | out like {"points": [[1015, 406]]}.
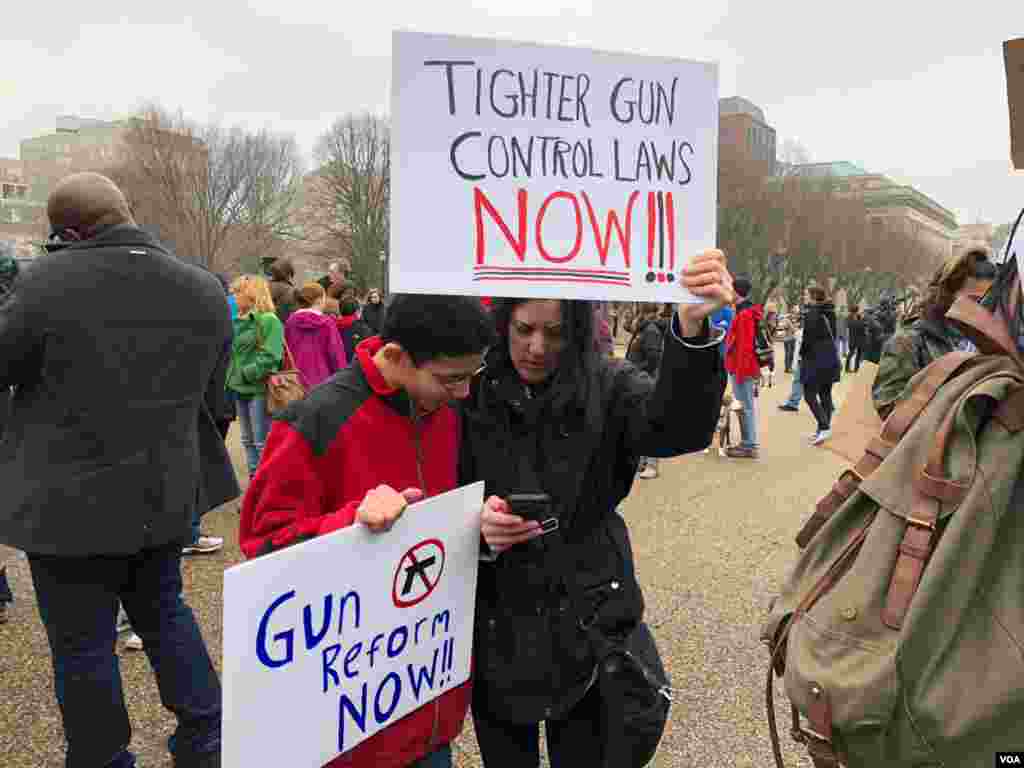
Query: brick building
{"points": [[890, 204], [744, 137]]}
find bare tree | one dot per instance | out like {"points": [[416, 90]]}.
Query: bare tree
{"points": [[203, 187], [349, 205]]}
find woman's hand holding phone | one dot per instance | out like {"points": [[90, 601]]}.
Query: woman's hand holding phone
{"points": [[501, 529]]}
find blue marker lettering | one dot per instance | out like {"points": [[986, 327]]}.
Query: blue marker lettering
{"points": [[403, 633], [341, 611], [417, 680], [357, 715], [313, 639], [446, 615], [287, 637], [382, 717], [351, 656], [333, 650]]}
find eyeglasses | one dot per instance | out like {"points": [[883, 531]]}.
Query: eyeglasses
{"points": [[454, 381]]}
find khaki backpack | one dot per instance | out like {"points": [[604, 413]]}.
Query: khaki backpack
{"points": [[900, 632]]}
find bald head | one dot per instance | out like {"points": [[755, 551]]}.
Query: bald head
{"points": [[87, 203]]}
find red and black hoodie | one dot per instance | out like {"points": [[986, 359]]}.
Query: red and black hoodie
{"points": [[351, 434]]}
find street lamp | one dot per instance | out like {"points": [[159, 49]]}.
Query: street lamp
{"points": [[384, 272]]}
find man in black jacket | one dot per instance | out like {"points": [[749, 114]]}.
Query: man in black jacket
{"points": [[101, 464]]}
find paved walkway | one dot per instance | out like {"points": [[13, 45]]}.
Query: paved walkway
{"points": [[712, 538]]}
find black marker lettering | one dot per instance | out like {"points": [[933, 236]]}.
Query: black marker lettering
{"points": [[455, 162], [449, 67]]}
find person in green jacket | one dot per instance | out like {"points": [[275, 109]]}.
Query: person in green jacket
{"points": [[256, 352]]}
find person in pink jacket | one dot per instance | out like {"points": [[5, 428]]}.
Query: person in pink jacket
{"points": [[313, 337]]}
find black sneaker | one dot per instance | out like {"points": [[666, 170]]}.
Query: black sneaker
{"points": [[788, 407]]}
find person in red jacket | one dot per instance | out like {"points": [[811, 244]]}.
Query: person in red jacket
{"points": [[369, 441], [744, 370]]}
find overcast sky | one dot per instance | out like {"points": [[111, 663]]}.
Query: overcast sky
{"points": [[912, 89]]}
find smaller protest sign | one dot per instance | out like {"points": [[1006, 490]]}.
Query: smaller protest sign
{"points": [[330, 641], [1013, 53], [857, 421]]}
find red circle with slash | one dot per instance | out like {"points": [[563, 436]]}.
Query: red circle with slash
{"points": [[418, 573]]}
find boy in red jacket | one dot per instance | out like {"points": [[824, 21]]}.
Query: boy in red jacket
{"points": [[743, 367], [346, 452]]}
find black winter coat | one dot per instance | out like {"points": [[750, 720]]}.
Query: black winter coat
{"points": [[858, 333], [645, 348], [373, 316], [819, 358], [111, 344], [530, 653]]}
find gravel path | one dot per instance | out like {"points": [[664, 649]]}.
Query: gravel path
{"points": [[712, 538]]}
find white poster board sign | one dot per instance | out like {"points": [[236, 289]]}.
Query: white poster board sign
{"points": [[329, 641], [548, 172]]}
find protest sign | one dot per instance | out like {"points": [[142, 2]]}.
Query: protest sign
{"points": [[548, 172], [329, 641], [1013, 55], [857, 421]]}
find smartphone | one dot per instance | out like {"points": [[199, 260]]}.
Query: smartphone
{"points": [[535, 506]]}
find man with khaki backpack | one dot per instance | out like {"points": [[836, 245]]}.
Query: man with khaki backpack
{"points": [[899, 633]]}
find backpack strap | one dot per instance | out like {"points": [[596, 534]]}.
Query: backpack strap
{"points": [[895, 427], [1010, 412], [931, 489], [819, 739]]}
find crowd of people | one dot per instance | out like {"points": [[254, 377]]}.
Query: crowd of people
{"points": [[125, 416]]}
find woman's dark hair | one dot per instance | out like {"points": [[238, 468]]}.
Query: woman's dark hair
{"points": [[950, 278], [282, 270], [578, 361], [430, 327], [743, 285]]}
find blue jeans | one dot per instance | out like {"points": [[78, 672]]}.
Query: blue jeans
{"points": [[841, 347], [789, 345], [744, 392], [254, 423], [796, 394], [196, 531], [442, 758], [78, 599], [5, 588]]}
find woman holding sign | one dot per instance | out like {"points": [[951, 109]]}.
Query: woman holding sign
{"points": [[555, 432]]}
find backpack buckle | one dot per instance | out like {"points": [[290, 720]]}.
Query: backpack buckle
{"points": [[920, 523]]}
